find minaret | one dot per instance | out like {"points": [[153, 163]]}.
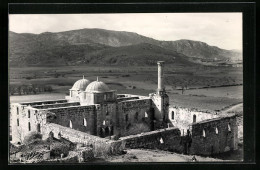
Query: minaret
{"points": [[160, 77], [160, 99]]}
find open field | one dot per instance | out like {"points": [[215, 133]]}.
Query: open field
{"points": [[174, 76], [235, 92], [37, 97]]}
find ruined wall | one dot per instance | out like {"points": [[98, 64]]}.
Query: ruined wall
{"points": [[25, 120], [165, 139], [183, 117], [106, 119], [44, 102], [101, 146], [214, 136], [134, 116], [75, 115], [46, 106]]}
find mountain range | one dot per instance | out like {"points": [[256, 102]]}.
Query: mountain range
{"points": [[106, 47]]}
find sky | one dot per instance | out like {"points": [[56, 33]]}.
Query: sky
{"points": [[217, 29]]}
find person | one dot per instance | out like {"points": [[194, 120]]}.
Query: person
{"points": [[194, 159]]}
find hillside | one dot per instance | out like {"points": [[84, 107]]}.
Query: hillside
{"points": [[98, 46], [140, 54], [201, 50]]}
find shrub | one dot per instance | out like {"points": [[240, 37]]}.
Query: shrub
{"points": [[57, 149], [32, 137]]}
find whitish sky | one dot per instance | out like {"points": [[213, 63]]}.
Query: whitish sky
{"points": [[219, 29]]}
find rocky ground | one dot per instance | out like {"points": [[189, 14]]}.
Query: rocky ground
{"points": [[145, 155]]}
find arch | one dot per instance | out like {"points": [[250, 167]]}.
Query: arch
{"points": [[172, 115], [145, 114], [17, 110], [216, 130], [104, 122], [17, 122], [194, 118], [126, 117], [85, 122], [38, 128], [70, 124], [203, 133], [29, 126], [29, 113], [229, 127]]}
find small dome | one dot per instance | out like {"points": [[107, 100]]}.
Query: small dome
{"points": [[80, 84], [97, 86]]}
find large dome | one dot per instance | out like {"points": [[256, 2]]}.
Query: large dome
{"points": [[97, 86], [80, 84]]}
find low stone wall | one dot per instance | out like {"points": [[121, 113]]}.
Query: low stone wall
{"points": [[165, 139], [101, 146]]}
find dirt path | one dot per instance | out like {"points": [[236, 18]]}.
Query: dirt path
{"points": [[232, 108]]}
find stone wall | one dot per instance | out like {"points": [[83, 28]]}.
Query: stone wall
{"points": [[134, 116], [46, 106], [101, 146], [183, 117], [214, 136], [106, 119], [165, 139], [25, 120], [74, 116], [44, 102]]}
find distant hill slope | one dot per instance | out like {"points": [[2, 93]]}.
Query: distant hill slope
{"points": [[98, 46], [197, 49]]}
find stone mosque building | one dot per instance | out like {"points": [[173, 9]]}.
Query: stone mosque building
{"points": [[94, 111]]}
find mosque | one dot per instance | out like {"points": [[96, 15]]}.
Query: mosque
{"points": [[92, 108]]}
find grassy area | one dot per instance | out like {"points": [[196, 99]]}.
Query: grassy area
{"points": [[202, 102]]}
